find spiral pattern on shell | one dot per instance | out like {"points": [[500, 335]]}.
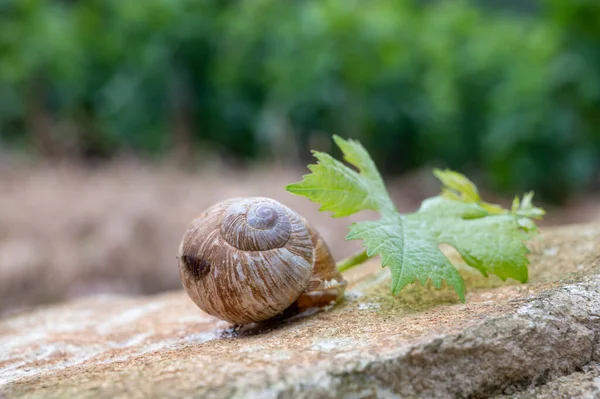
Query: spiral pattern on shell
{"points": [[252, 225], [246, 259]]}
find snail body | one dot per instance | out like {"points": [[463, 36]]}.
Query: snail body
{"points": [[248, 260]]}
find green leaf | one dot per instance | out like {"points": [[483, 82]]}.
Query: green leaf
{"points": [[525, 207], [492, 244], [410, 251], [456, 185], [342, 190], [487, 236], [440, 206]]}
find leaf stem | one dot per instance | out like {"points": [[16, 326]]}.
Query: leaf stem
{"points": [[352, 260]]}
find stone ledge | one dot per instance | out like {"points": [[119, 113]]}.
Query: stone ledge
{"points": [[508, 337], [583, 384]]}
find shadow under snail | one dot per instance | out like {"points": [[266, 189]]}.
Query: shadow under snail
{"points": [[248, 260]]}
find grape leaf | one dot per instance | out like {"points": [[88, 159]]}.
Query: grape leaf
{"points": [[487, 236], [410, 252], [342, 190]]}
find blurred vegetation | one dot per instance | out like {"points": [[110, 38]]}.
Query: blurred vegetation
{"points": [[512, 92]]}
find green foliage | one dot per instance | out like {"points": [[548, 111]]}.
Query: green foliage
{"points": [[340, 189], [488, 237], [443, 82]]}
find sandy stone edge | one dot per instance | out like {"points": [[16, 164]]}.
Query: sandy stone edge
{"points": [[554, 334]]}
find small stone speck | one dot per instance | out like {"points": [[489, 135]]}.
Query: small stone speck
{"points": [[369, 306]]}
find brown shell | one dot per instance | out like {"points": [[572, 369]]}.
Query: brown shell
{"points": [[250, 259]]}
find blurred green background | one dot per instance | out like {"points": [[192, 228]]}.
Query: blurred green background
{"points": [[507, 90]]}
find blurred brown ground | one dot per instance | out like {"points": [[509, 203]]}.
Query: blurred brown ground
{"points": [[68, 231]]}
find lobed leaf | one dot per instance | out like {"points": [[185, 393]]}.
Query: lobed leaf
{"points": [[342, 190], [411, 252], [487, 236], [457, 186], [492, 244]]}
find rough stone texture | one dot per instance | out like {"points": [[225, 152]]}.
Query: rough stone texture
{"points": [[422, 343], [580, 385]]}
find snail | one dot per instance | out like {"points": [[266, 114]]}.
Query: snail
{"points": [[247, 260]]}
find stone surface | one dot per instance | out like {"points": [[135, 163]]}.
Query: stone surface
{"points": [[579, 385], [506, 339]]}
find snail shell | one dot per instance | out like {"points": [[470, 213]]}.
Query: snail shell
{"points": [[247, 260]]}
